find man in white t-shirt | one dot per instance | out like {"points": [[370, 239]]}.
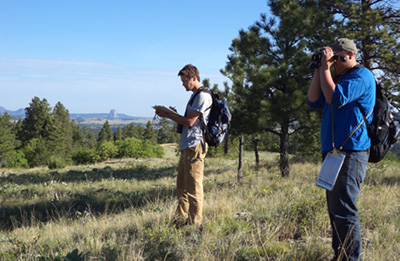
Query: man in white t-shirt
{"points": [[193, 149]]}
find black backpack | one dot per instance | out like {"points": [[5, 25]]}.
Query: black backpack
{"points": [[383, 130], [219, 119]]}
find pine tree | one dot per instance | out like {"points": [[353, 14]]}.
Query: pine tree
{"points": [[8, 140], [105, 133], [269, 72], [61, 136], [149, 133], [374, 26], [89, 139], [118, 134], [77, 135], [36, 132], [37, 117], [132, 131], [164, 132]]}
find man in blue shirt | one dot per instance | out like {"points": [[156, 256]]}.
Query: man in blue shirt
{"points": [[347, 98]]}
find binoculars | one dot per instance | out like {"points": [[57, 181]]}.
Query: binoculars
{"points": [[316, 57]]}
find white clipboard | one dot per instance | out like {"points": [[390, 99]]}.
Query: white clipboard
{"points": [[330, 170], [165, 109]]}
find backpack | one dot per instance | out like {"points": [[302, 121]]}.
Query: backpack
{"points": [[219, 119], [383, 130]]}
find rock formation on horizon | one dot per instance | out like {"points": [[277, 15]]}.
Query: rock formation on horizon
{"points": [[113, 114]]}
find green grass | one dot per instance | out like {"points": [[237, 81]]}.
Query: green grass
{"points": [[121, 211]]}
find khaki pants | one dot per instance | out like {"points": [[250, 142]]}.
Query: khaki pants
{"points": [[190, 185]]}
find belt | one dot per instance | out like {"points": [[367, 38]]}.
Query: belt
{"points": [[351, 151]]}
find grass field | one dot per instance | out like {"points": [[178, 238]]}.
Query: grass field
{"points": [[121, 211]]}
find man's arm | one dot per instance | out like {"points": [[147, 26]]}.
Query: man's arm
{"points": [[187, 121], [314, 92], [327, 83]]}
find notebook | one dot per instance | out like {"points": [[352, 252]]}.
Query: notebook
{"points": [[165, 109], [330, 170]]}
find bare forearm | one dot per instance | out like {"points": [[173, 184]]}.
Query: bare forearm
{"points": [[187, 121], [182, 120], [314, 92], [327, 84]]}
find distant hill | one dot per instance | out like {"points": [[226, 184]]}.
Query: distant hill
{"points": [[118, 116], [18, 114], [112, 115]]}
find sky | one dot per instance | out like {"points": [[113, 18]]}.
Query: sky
{"points": [[98, 55]]}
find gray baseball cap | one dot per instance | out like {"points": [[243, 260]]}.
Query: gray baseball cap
{"points": [[344, 44]]}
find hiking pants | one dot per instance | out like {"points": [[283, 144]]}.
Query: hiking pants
{"points": [[190, 185]]}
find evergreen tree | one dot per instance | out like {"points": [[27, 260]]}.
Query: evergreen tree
{"points": [[132, 131], [38, 133], [118, 134], [37, 117], [149, 133], [61, 136], [164, 132], [36, 152], [8, 140], [270, 74], [375, 28], [89, 139], [105, 133], [77, 135], [173, 135]]}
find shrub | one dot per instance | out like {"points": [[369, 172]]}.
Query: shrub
{"points": [[106, 150], [84, 156], [130, 147], [18, 161], [150, 150], [36, 152], [56, 163], [135, 148]]}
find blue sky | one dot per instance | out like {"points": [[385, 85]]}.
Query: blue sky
{"points": [[97, 55]]}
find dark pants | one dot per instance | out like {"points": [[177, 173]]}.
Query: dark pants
{"points": [[342, 207]]}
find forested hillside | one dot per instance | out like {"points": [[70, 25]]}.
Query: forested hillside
{"points": [[48, 137]]}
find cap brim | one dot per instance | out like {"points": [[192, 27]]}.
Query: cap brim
{"points": [[336, 48]]}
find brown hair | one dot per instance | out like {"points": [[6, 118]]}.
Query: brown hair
{"points": [[190, 71]]}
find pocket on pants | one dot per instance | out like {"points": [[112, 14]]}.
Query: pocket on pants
{"points": [[197, 153], [361, 170]]}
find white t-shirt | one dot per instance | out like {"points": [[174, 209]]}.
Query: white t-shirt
{"points": [[192, 136]]}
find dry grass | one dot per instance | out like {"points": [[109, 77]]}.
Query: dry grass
{"points": [[121, 211]]}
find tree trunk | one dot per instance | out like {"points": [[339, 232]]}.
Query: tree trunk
{"points": [[284, 150], [240, 167], [255, 141], [226, 143]]}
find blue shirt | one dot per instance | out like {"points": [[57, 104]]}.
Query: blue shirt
{"points": [[353, 89]]}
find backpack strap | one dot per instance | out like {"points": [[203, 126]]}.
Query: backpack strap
{"points": [[201, 119], [195, 95], [190, 102], [202, 89], [378, 89]]}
